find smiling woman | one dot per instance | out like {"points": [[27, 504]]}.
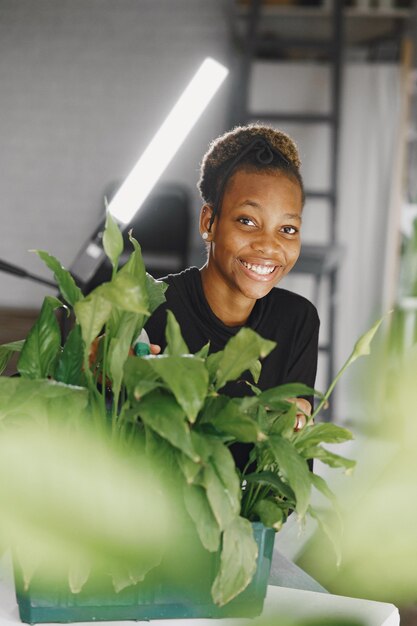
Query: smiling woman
{"points": [[253, 197]]}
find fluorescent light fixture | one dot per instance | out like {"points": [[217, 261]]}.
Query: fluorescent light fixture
{"points": [[167, 140]]}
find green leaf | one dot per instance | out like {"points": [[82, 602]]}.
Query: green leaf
{"points": [[65, 281], [156, 290], [222, 483], [7, 350], [127, 575], [255, 369], [284, 424], [294, 469], [212, 364], [361, 348], [275, 398], [363, 345], [320, 484], [92, 313], [274, 481], [125, 292], [78, 574], [162, 414], [331, 527], [23, 399], [240, 354], [112, 240], [226, 416], [42, 345], [189, 468], [29, 561], [69, 366], [270, 514], [329, 458], [199, 509], [187, 378], [119, 350], [139, 377], [203, 352], [237, 562], [321, 433], [176, 345]]}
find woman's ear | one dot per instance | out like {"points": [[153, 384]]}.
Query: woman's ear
{"points": [[205, 217]]}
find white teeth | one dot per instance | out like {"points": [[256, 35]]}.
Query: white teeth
{"points": [[263, 270]]}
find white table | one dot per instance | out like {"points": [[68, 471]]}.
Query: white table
{"points": [[280, 601]]}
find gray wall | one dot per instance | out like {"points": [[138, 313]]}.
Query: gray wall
{"points": [[84, 84]]}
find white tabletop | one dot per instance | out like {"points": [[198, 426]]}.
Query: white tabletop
{"points": [[280, 601]]}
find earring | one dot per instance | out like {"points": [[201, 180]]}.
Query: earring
{"points": [[205, 236]]}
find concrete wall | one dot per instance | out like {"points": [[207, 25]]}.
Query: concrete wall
{"points": [[84, 84]]}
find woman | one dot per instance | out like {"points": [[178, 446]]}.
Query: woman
{"points": [[253, 198]]}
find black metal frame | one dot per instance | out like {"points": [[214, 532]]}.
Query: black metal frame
{"points": [[318, 261]]}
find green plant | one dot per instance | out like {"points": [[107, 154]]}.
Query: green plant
{"points": [[172, 404]]}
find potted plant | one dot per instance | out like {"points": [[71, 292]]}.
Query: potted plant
{"points": [[167, 407]]}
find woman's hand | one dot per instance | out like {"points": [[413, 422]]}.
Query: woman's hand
{"points": [[304, 411]]}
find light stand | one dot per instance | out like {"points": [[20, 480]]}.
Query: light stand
{"points": [[9, 268]]}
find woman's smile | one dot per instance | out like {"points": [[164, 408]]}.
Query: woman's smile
{"points": [[259, 271]]}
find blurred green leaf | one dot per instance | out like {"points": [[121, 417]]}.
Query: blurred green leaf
{"points": [[294, 469], [176, 345], [112, 240], [23, 399], [127, 575], [40, 350], [162, 414], [237, 562], [270, 514], [79, 572], [321, 485], [65, 281], [330, 525], [7, 350], [240, 354], [69, 365], [199, 509], [187, 377]]}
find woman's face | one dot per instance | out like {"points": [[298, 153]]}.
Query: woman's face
{"points": [[255, 241]]}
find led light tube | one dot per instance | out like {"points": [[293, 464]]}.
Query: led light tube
{"points": [[167, 140]]}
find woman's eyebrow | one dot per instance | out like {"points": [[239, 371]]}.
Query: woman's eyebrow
{"points": [[256, 205]]}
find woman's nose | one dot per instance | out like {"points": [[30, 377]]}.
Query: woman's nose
{"points": [[266, 242]]}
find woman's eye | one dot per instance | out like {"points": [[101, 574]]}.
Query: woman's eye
{"points": [[247, 221], [290, 230]]}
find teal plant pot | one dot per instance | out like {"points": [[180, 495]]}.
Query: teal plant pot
{"points": [[183, 594]]}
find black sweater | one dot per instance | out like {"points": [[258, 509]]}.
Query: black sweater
{"points": [[285, 317]]}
